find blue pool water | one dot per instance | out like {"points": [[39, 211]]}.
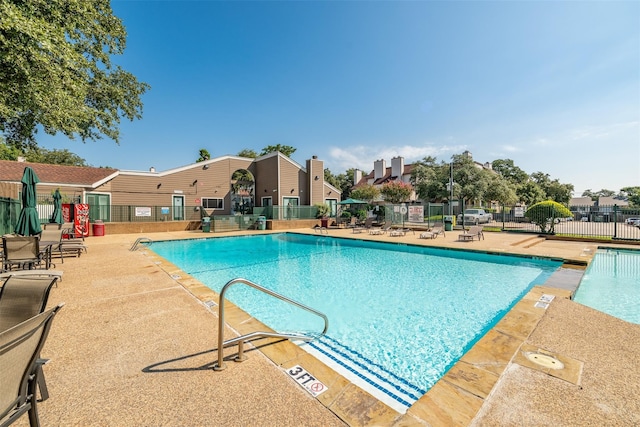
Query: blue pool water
{"points": [[399, 316], [611, 284]]}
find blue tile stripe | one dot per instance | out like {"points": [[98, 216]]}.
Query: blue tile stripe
{"points": [[377, 376]]}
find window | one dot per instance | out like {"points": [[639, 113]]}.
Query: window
{"points": [[210, 203]]}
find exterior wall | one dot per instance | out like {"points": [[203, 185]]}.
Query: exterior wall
{"points": [[193, 183], [289, 180], [147, 227], [9, 190], [315, 168], [266, 174]]}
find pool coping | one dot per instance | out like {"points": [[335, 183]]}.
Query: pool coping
{"points": [[455, 399]]}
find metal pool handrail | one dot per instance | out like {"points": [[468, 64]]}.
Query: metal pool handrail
{"points": [[241, 339], [140, 240]]}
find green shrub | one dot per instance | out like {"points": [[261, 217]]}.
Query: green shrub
{"points": [[322, 210], [545, 214]]}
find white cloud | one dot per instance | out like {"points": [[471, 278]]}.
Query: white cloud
{"points": [[362, 157], [511, 148]]}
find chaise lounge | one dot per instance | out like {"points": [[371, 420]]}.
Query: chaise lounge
{"points": [[472, 233]]}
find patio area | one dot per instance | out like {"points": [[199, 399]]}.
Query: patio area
{"points": [[135, 345]]}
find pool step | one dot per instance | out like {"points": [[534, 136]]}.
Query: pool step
{"points": [[380, 381]]}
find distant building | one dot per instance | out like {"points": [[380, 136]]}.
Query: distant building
{"points": [[381, 174], [600, 210], [399, 171]]}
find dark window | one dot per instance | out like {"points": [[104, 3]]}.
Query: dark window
{"points": [[210, 203]]}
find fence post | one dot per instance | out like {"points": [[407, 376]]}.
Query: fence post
{"points": [[615, 221]]}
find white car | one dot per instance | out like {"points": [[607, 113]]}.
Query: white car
{"points": [[632, 221]]}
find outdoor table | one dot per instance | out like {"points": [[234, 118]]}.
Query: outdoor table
{"points": [[46, 247]]}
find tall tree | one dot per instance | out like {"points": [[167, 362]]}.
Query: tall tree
{"points": [[396, 192], [530, 193], [553, 189], [287, 150], [430, 180], [55, 157], [42, 155], [471, 182], [247, 152], [8, 152], [500, 190], [203, 155], [366, 192], [632, 194], [509, 171], [343, 181], [55, 57]]}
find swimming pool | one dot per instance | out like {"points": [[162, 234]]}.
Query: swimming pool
{"points": [[611, 284], [399, 316]]}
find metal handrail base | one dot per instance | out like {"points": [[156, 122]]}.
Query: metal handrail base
{"points": [[220, 365]]}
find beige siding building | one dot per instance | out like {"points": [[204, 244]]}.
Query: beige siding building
{"points": [[225, 185]]}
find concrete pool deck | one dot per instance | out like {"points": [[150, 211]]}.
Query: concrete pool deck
{"points": [[135, 345]]}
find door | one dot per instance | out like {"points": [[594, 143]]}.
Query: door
{"points": [[178, 208], [333, 207], [291, 207], [99, 207]]}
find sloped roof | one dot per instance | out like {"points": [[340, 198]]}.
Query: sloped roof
{"points": [[581, 201], [385, 178], [12, 171], [610, 201]]}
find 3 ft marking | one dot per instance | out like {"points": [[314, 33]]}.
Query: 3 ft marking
{"points": [[307, 381]]}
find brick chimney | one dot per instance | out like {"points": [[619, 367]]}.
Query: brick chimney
{"points": [[397, 167], [379, 169], [357, 176]]}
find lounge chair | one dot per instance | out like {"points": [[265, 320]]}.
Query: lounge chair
{"points": [[434, 232], [472, 233], [320, 229], [20, 348], [438, 229], [22, 252], [368, 223], [53, 238], [31, 273], [381, 230], [353, 223], [22, 297]]}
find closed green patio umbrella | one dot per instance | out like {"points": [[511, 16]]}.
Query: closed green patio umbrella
{"points": [[28, 222], [56, 216]]}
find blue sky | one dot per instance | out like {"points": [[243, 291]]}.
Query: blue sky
{"points": [[554, 86]]}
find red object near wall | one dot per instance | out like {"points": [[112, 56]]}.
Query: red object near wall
{"points": [[98, 228], [78, 214]]}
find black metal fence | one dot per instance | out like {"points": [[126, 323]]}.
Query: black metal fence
{"points": [[605, 222], [9, 211], [600, 222]]}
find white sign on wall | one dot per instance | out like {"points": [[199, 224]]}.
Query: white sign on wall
{"points": [[143, 211]]}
